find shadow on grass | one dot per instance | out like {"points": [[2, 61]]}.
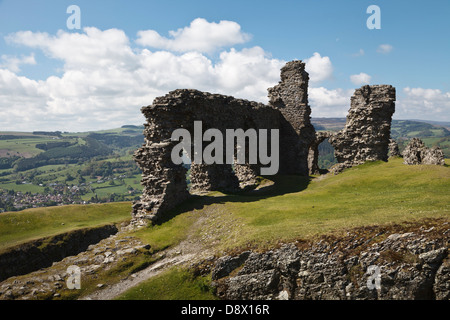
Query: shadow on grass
{"points": [[281, 184]]}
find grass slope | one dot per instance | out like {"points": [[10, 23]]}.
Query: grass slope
{"points": [[294, 208], [174, 284], [285, 208], [19, 227], [297, 207]]}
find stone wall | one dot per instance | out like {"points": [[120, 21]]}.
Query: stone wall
{"points": [[290, 96], [165, 182], [365, 137], [393, 148], [367, 132], [313, 155]]}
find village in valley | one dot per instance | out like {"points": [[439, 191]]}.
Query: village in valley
{"points": [[42, 169]]}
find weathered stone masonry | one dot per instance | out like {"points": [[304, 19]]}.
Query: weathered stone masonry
{"points": [[367, 133], [417, 153], [164, 182], [365, 137], [297, 133]]}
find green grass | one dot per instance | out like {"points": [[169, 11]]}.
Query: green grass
{"points": [[371, 194], [172, 231], [19, 227], [294, 207], [376, 193], [23, 187], [173, 284], [24, 146]]}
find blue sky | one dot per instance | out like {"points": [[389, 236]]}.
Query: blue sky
{"points": [[128, 52]]}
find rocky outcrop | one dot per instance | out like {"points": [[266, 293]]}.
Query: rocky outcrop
{"points": [[367, 131], [25, 258], [417, 153], [369, 263], [96, 260]]}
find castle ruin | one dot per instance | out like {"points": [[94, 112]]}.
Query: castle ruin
{"points": [[365, 137]]}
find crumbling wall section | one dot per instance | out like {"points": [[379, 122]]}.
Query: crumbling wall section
{"points": [[313, 155], [393, 148], [366, 136], [290, 96], [213, 177], [417, 153], [165, 182], [367, 132]]}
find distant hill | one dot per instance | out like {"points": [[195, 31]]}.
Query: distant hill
{"points": [[328, 124], [445, 124], [42, 148]]}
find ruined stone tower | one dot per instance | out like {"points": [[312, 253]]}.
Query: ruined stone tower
{"points": [[290, 96], [367, 132]]}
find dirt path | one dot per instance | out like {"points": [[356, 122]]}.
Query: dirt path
{"points": [[188, 251], [113, 291]]}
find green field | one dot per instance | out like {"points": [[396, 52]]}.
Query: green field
{"points": [[19, 227], [68, 168], [21, 147]]}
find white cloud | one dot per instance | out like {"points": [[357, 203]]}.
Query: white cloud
{"points": [[105, 81], [360, 79], [89, 50], [319, 68], [106, 78], [420, 103], [13, 63], [385, 48], [247, 73], [201, 36], [329, 103]]}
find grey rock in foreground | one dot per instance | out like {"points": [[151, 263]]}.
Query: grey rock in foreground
{"points": [[377, 266]]}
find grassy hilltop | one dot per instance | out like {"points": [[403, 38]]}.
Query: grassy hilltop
{"points": [[296, 208], [30, 224], [290, 207], [95, 167], [282, 209]]}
